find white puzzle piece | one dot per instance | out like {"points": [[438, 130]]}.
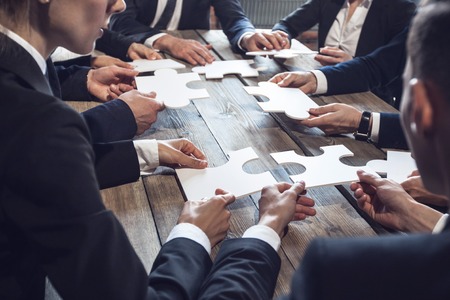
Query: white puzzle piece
{"points": [[198, 184], [170, 87], [283, 53], [325, 169], [292, 101], [398, 166], [217, 69], [147, 65]]}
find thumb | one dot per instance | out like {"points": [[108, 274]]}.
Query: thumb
{"points": [[298, 188], [190, 161], [368, 178], [227, 196]]}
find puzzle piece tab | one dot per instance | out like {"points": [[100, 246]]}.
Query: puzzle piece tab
{"points": [[292, 101], [325, 169], [198, 184], [217, 69], [147, 65], [170, 87], [283, 53], [398, 166]]}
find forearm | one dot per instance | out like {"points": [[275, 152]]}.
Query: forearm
{"points": [[420, 218]]}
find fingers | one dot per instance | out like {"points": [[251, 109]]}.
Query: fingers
{"points": [[228, 197], [326, 60], [368, 178]]}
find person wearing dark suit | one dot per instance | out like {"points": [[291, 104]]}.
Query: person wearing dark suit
{"points": [[386, 267], [384, 20], [54, 223], [142, 19]]}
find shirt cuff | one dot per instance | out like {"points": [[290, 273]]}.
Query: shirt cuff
{"points": [[240, 39], [375, 131], [440, 224], [151, 40], [147, 152], [192, 232], [264, 233], [322, 83]]}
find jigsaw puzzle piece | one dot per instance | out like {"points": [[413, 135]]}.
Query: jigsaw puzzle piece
{"points": [[217, 69], [170, 87], [283, 53], [398, 165], [292, 101], [147, 65], [325, 169], [198, 184]]}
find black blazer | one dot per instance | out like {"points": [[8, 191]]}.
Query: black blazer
{"points": [[53, 221], [385, 19], [391, 133], [135, 20], [389, 268], [378, 69]]}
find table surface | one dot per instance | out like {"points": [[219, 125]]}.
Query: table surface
{"points": [[231, 120]]}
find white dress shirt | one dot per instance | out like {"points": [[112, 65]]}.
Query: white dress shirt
{"points": [[344, 36]]}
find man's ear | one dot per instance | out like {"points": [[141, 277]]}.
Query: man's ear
{"points": [[422, 109]]}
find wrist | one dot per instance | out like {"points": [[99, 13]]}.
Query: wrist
{"points": [[420, 218], [274, 223], [364, 127]]}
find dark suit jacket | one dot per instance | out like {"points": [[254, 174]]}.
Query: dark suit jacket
{"points": [[378, 69], [389, 268], [391, 134], [111, 43], [135, 20], [53, 222], [385, 19]]}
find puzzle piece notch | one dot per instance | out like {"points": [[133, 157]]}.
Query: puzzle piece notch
{"points": [[292, 101], [398, 165], [170, 87], [217, 69], [325, 169], [147, 65], [283, 53], [198, 184]]}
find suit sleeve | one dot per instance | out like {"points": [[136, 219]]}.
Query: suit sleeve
{"points": [[77, 242], [302, 19], [114, 44], [377, 69], [243, 266], [233, 20], [131, 21], [179, 270], [391, 134]]}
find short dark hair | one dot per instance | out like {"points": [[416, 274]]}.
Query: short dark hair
{"points": [[428, 44]]}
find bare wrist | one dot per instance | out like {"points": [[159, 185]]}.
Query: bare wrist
{"points": [[421, 218]]}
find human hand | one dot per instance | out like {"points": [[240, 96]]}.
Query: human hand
{"points": [[108, 83], [140, 51], [106, 61], [306, 81], [387, 203], [334, 118], [331, 56], [183, 152], [283, 202], [265, 41], [145, 108], [189, 50], [211, 216], [415, 188]]}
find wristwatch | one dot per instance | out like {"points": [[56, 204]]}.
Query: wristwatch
{"points": [[362, 134]]}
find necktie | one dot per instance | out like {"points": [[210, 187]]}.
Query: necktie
{"points": [[166, 14]]}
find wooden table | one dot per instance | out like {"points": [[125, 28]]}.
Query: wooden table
{"points": [[231, 120]]}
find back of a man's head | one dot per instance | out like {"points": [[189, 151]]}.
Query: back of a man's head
{"points": [[428, 44]]}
